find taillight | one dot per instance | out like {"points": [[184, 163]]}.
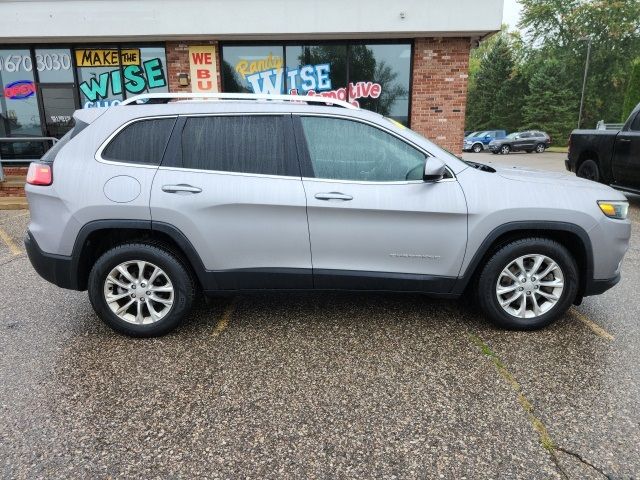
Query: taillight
{"points": [[39, 174]]}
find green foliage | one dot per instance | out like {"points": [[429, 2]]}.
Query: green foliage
{"points": [[550, 105], [495, 90], [632, 97], [555, 43]]}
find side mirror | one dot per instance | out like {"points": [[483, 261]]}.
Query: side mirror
{"points": [[434, 170], [487, 137]]}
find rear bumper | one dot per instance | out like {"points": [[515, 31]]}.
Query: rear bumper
{"points": [[56, 269], [596, 287]]}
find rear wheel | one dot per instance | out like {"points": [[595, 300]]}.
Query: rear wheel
{"points": [[589, 170], [141, 290], [505, 150], [528, 284], [540, 148]]}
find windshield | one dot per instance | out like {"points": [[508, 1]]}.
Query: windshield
{"points": [[474, 134], [482, 134]]}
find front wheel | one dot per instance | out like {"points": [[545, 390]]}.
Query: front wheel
{"points": [[528, 284], [505, 149], [477, 148], [589, 170], [140, 289]]}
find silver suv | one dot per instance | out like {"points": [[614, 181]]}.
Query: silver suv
{"points": [[144, 205]]}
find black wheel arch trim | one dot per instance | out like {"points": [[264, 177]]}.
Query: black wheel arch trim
{"points": [[65, 272], [174, 233], [515, 227]]}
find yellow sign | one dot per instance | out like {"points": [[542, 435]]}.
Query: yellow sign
{"points": [[107, 57], [202, 65], [246, 67]]}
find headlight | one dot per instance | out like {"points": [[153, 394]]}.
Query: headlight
{"points": [[617, 210]]}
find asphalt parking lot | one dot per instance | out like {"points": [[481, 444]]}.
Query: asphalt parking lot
{"points": [[317, 385]]}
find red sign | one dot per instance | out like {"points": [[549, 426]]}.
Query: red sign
{"points": [[20, 89]]}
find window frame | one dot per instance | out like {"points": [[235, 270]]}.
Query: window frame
{"points": [[112, 136], [305, 156], [173, 153]]}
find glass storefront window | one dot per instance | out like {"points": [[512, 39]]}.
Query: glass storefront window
{"points": [[382, 73], [19, 114], [374, 76], [54, 65], [107, 74], [256, 69], [317, 68]]}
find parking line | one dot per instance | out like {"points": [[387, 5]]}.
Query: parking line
{"points": [[224, 320], [543, 434], [597, 329], [6, 238]]}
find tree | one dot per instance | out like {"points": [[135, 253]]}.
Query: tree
{"points": [[558, 28], [495, 95], [632, 97], [550, 103]]}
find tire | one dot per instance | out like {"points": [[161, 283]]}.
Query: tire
{"points": [[505, 149], [170, 302], [540, 148], [589, 170], [477, 148], [492, 278]]}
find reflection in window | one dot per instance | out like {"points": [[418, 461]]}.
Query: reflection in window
{"points": [[107, 74], [256, 69], [375, 76], [19, 114], [389, 67], [349, 150]]}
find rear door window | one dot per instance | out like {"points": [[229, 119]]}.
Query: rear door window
{"points": [[252, 144], [141, 142]]}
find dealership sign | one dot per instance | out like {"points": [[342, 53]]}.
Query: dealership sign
{"points": [[268, 76], [19, 89]]}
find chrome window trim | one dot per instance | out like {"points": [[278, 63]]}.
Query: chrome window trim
{"points": [[426, 153], [103, 145]]}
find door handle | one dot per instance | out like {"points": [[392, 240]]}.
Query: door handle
{"points": [[182, 189], [333, 196], [625, 140]]}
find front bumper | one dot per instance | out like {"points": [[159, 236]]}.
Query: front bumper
{"points": [[57, 269]]}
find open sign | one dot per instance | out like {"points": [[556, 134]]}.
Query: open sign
{"points": [[19, 89]]}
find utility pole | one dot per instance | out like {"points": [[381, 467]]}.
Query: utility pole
{"points": [[589, 40]]}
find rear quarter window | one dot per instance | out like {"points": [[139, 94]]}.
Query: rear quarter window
{"points": [[140, 142]]}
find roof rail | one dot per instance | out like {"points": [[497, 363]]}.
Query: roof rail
{"points": [[167, 97]]}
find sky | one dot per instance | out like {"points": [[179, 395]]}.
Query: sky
{"points": [[511, 13]]}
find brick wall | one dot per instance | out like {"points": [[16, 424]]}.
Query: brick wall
{"points": [[178, 62], [439, 88]]}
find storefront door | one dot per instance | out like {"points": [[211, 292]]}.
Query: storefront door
{"points": [[58, 102]]}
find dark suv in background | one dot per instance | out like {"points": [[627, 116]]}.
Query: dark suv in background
{"points": [[528, 141]]}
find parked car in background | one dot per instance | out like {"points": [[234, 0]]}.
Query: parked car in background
{"points": [[611, 157], [528, 141], [478, 141]]}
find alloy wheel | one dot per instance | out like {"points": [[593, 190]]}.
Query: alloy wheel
{"points": [[540, 148], [505, 149], [138, 292], [530, 286]]}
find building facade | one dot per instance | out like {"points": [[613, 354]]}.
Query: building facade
{"points": [[407, 60]]}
